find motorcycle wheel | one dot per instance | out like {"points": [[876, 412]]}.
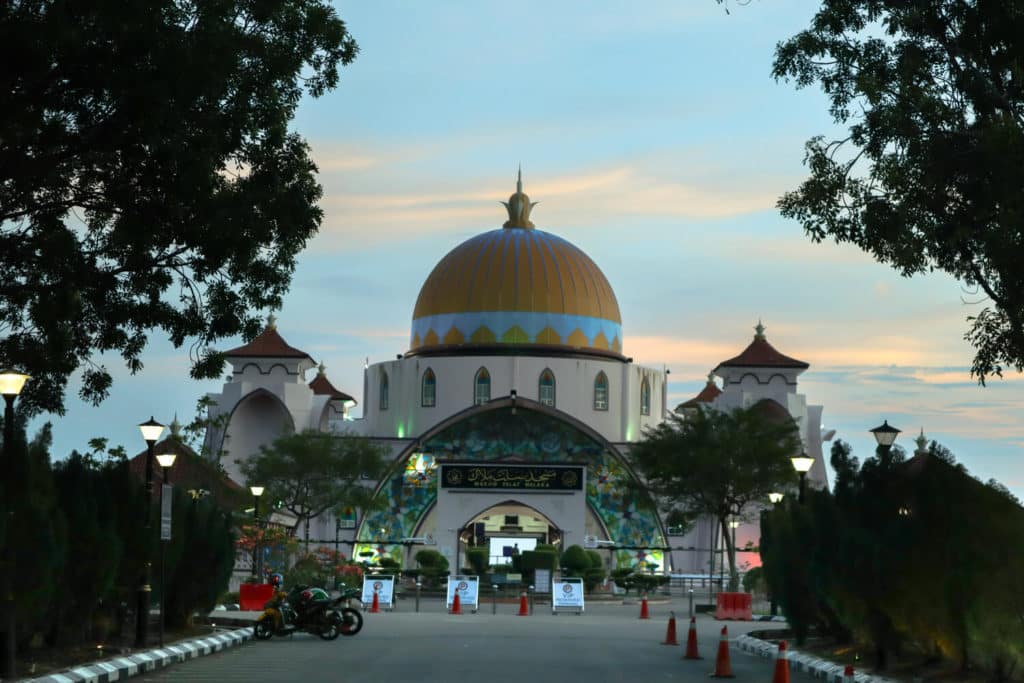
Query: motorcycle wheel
{"points": [[351, 621], [263, 629]]}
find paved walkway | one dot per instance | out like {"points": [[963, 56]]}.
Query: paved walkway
{"points": [[606, 643]]}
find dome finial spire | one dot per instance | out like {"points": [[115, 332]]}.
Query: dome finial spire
{"points": [[759, 330], [519, 206]]}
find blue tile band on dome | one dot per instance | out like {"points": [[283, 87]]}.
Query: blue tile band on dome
{"points": [[516, 327]]}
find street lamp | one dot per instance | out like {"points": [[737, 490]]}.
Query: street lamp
{"points": [[166, 461], [11, 383], [775, 498], [802, 463], [257, 491], [885, 435], [151, 431]]}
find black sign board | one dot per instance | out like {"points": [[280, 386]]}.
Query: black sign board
{"points": [[515, 477]]}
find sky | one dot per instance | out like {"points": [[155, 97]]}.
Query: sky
{"points": [[655, 140]]}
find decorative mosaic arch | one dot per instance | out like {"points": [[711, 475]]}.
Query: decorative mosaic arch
{"points": [[531, 435]]}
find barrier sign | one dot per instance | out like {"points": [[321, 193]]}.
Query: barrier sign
{"points": [[567, 596], [468, 588], [384, 584]]}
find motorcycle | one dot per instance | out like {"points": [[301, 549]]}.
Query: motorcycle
{"points": [[286, 613]]}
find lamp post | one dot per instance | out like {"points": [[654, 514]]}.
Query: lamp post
{"points": [[11, 383], [151, 431], [802, 463], [775, 498], [257, 491], [885, 435], [166, 461]]}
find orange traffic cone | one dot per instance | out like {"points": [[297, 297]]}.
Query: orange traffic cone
{"points": [[644, 614], [375, 605], [691, 641], [723, 669], [524, 607], [456, 605], [781, 664], [848, 676], [670, 634]]}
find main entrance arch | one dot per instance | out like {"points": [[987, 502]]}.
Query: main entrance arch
{"points": [[514, 432]]}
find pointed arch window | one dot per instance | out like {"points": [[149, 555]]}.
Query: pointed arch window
{"points": [[481, 387], [645, 397], [546, 388], [601, 391], [383, 391], [428, 389]]}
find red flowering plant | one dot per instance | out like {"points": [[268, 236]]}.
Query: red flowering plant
{"points": [[276, 543]]}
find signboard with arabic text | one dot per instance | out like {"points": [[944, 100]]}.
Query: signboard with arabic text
{"points": [[512, 477], [383, 585], [567, 595]]}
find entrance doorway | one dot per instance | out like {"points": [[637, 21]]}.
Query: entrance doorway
{"points": [[507, 529]]}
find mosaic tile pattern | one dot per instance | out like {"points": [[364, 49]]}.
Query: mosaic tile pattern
{"points": [[528, 436]]}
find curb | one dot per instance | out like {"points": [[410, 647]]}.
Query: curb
{"points": [[815, 666], [120, 668]]}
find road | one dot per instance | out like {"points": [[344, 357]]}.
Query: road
{"points": [[606, 643]]}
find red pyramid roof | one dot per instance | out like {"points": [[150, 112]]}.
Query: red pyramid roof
{"points": [[761, 354], [267, 344], [190, 470], [321, 386], [707, 395]]}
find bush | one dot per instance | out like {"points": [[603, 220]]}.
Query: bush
{"points": [[388, 563], [575, 561], [478, 559], [593, 577], [753, 581], [429, 558]]}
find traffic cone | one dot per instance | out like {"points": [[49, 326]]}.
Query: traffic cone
{"points": [[375, 605], [670, 634], [723, 669], [781, 664], [848, 676], [644, 614], [691, 641], [524, 607], [456, 605]]}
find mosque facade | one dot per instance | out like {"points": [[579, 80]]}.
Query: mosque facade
{"points": [[510, 416]]}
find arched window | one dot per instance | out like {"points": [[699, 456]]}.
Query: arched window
{"points": [[601, 391], [428, 389], [645, 397], [546, 388], [383, 391], [482, 387]]}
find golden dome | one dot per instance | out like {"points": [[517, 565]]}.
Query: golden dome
{"points": [[517, 286]]}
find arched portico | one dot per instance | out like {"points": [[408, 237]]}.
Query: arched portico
{"points": [[515, 432]]}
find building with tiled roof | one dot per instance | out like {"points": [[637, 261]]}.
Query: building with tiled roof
{"points": [[707, 395], [190, 471], [266, 394], [515, 368]]}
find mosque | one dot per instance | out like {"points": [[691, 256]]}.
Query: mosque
{"points": [[510, 418]]}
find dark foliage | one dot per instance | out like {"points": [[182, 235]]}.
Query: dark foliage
{"points": [[148, 176]]}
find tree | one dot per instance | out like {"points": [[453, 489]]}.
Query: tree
{"points": [[716, 463], [928, 176], [311, 472], [149, 179]]}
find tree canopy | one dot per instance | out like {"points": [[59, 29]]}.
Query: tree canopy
{"points": [[148, 176], [928, 174], [716, 463], [311, 472]]}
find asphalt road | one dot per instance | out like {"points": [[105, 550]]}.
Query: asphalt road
{"points": [[606, 643]]}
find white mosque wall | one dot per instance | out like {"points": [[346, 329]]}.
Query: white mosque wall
{"points": [[406, 416]]}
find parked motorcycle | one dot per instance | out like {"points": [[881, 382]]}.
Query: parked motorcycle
{"points": [[309, 610]]}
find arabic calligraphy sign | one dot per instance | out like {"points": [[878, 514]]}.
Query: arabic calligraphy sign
{"points": [[517, 477]]}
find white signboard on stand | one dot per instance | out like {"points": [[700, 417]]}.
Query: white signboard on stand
{"points": [[468, 588], [384, 585], [567, 596]]}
